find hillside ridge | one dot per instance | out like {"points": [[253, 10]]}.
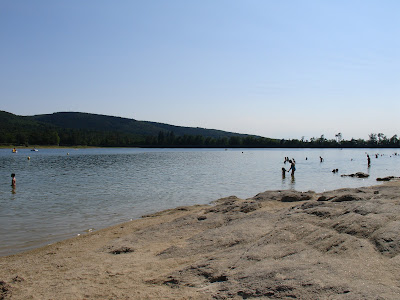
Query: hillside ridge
{"points": [[87, 129]]}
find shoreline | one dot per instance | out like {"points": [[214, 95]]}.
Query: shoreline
{"points": [[307, 177], [195, 147], [47, 241], [277, 244], [47, 147]]}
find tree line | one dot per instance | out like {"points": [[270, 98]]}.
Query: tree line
{"points": [[80, 137]]}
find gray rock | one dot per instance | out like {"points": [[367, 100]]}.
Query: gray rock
{"points": [[388, 178], [358, 175]]}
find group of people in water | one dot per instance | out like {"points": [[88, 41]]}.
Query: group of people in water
{"points": [[292, 166], [287, 160], [321, 159]]}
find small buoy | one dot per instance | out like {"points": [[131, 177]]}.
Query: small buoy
{"points": [[68, 153], [29, 157]]}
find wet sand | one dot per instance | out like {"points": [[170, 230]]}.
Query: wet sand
{"points": [[341, 244]]}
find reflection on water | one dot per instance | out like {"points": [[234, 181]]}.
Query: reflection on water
{"points": [[60, 195], [292, 182]]}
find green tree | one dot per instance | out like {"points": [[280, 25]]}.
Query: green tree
{"points": [[235, 141], [394, 141], [381, 138], [338, 137], [372, 139], [161, 138]]}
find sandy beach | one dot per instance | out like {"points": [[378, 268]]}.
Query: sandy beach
{"points": [[341, 244]]}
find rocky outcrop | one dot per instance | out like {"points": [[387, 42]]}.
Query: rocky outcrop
{"points": [[357, 175], [331, 245], [342, 244], [388, 178]]}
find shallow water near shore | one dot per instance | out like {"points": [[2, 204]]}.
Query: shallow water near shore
{"points": [[64, 192]]}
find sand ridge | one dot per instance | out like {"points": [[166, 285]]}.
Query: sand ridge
{"points": [[341, 244]]}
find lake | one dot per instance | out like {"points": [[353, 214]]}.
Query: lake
{"points": [[61, 193]]}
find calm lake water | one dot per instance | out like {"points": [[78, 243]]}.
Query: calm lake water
{"points": [[64, 192]]}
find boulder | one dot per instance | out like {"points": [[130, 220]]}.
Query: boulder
{"points": [[358, 175], [387, 178]]}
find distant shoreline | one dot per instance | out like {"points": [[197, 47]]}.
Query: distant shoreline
{"points": [[183, 147], [48, 147]]}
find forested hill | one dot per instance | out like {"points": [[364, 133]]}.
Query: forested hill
{"points": [[86, 121], [74, 128]]}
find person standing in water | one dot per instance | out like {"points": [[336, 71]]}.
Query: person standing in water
{"points": [[13, 180], [292, 167]]}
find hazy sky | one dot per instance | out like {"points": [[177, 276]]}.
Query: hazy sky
{"points": [[281, 69]]}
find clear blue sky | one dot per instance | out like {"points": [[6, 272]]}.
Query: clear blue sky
{"points": [[281, 69]]}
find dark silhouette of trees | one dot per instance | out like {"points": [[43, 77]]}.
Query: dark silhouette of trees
{"points": [[74, 137], [104, 131]]}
